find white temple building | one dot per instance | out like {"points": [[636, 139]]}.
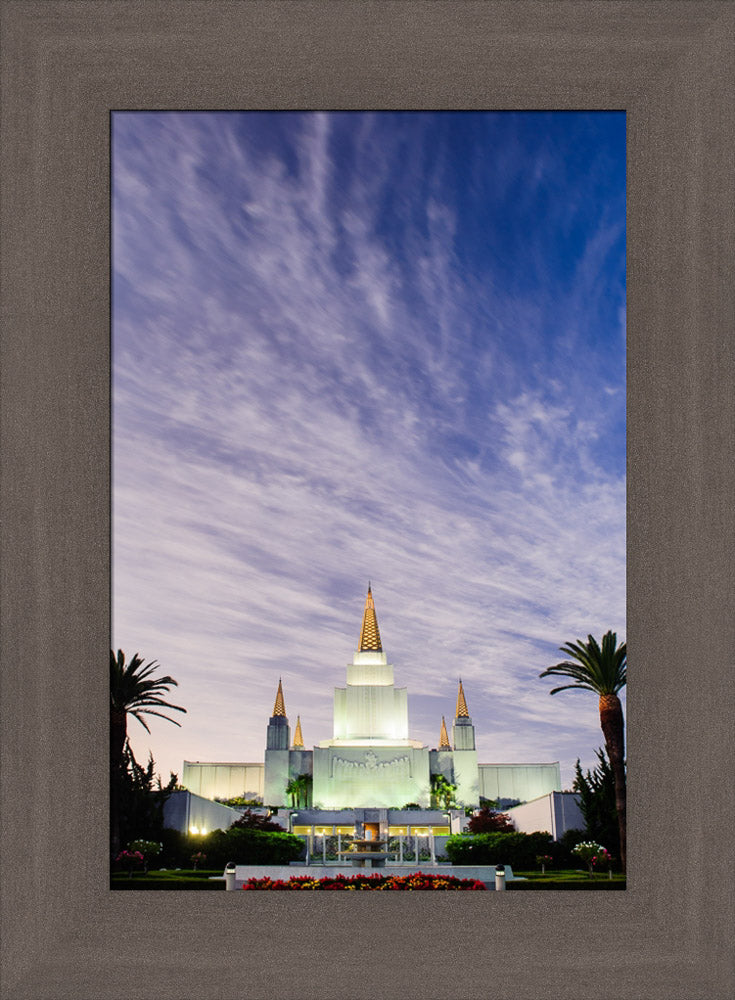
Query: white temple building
{"points": [[371, 762]]}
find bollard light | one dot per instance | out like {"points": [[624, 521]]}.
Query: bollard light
{"points": [[230, 872], [499, 877]]}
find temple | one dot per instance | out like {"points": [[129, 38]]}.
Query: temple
{"points": [[370, 762]]}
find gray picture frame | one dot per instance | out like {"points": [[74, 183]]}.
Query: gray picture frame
{"points": [[65, 65]]}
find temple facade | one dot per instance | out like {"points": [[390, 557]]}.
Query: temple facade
{"points": [[370, 761]]}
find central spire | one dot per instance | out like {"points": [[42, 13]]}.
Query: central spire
{"points": [[369, 634]]}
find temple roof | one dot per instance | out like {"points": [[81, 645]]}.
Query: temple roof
{"points": [[462, 712], [279, 708], [443, 738], [298, 739], [369, 634]]}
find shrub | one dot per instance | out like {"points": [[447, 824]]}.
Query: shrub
{"points": [[593, 855], [570, 839], [149, 849], [176, 849], [238, 801], [519, 850], [247, 846], [489, 821], [129, 860], [255, 821]]}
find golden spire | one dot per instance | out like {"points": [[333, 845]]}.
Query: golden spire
{"points": [[462, 712], [369, 635], [298, 739], [443, 738], [279, 708]]}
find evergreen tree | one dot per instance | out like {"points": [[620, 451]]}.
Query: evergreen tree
{"points": [[597, 803], [141, 797]]}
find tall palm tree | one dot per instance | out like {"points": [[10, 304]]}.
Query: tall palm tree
{"points": [[601, 669], [132, 691]]}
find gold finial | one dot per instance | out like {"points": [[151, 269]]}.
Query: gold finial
{"points": [[279, 708], [369, 634], [462, 712], [443, 738], [298, 739]]}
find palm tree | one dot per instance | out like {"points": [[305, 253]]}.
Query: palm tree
{"points": [[299, 789], [132, 691], [305, 781], [293, 788], [601, 669], [442, 791]]}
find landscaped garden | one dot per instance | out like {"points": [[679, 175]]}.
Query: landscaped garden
{"points": [[567, 879], [414, 881]]}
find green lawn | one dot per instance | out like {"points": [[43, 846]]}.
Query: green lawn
{"points": [[184, 879], [567, 879]]}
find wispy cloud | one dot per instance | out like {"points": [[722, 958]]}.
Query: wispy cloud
{"points": [[320, 378]]}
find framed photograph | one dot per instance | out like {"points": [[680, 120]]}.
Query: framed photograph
{"points": [[668, 67], [368, 344]]}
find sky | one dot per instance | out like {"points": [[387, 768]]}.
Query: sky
{"points": [[353, 347]]}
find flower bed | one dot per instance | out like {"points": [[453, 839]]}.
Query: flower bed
{"points": [[415, 881]]}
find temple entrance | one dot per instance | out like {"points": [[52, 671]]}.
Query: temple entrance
{"points": [[371, 831]]}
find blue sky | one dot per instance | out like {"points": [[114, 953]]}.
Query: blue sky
{"points": [[352, 347]]}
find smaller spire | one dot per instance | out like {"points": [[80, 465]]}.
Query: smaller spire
{"points": [[443, 738], [298, 739], [279, 708], [462, 712]]}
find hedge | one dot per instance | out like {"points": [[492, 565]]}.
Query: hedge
{"points": [[582, 885], [153, 882], [519, 850], [245, 846]]}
